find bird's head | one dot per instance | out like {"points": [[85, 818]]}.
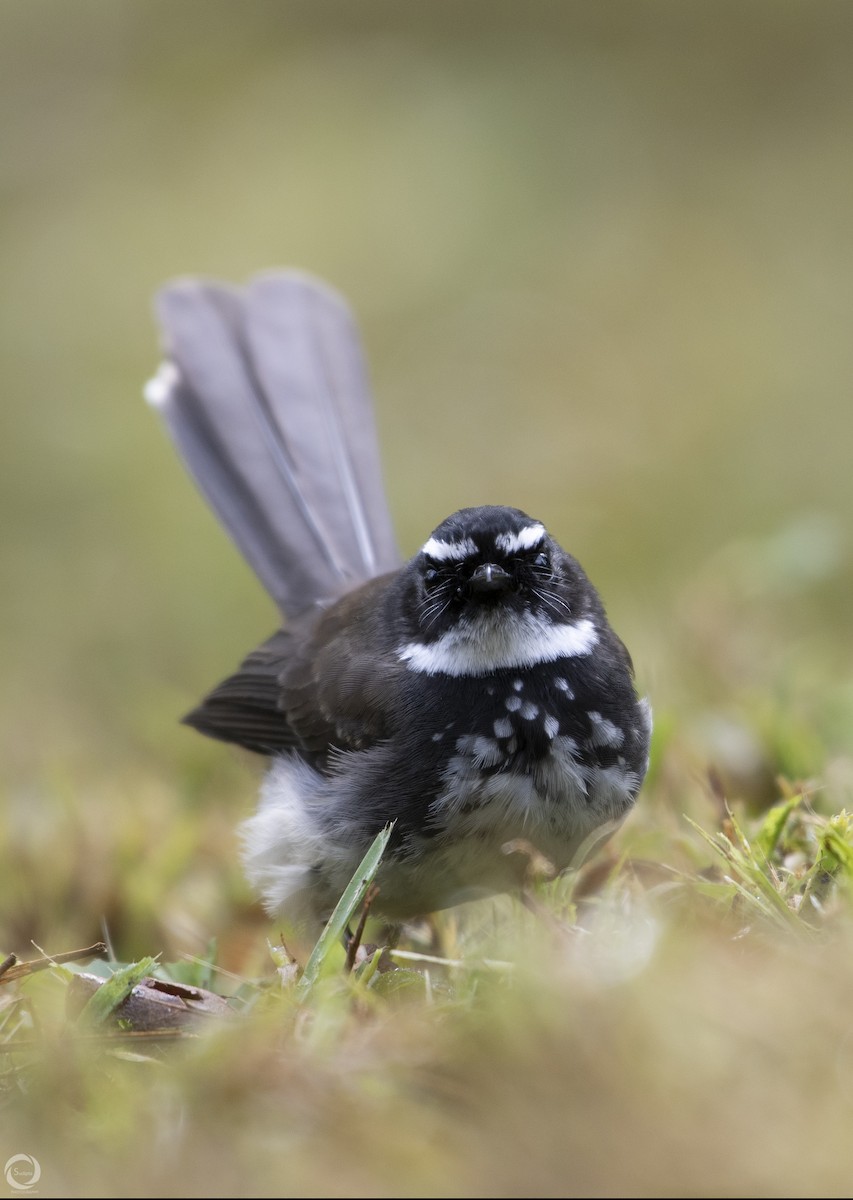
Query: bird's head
{"points": [[491, 582]]}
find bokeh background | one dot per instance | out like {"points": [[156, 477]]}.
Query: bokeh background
{"points": [[602, 259]]}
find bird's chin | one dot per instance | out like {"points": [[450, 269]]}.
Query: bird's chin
{"points": [[480, 643]]}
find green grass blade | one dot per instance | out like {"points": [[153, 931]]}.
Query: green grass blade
{"points": [[751, 874], [110, 994], [348, 904], [770, 832]]}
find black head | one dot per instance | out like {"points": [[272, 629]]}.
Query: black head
{"points": [[489, 561]]}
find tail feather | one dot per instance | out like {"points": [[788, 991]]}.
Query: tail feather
{"points": [[265, 394]]}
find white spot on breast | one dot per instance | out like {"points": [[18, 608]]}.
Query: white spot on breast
{"points": [[529, 712], [604, 732], [503, 727], [436, 737], [513, 703], [562, 685], [644, 709], [560, 772], [475, 752], [558, 804], [614, 787], [487, 752], [552, 726], [518, 684], [516, 792]]}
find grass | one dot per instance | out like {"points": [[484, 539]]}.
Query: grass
{"points": [[673, 1019]]}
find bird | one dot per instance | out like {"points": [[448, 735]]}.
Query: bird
{"points": [[472, 697]]}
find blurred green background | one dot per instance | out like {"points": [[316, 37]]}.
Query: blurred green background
{"points": [[602, 258]]}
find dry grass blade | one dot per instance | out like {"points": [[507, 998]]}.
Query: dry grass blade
{"points": [[11, 969]]}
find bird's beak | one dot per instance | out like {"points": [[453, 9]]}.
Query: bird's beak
{"points": [[489, 578]]}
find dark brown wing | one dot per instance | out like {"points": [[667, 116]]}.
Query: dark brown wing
{"points": [[328, 681], [340, 691], [245, 708]]}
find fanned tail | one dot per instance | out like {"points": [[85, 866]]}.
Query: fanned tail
{"points": [[265, 394]]}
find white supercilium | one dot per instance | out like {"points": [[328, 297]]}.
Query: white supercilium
{"points": [[525, 539]]}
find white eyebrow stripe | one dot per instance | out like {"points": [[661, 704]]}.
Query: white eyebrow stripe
{"points": [[525, 539], [454, 551]]}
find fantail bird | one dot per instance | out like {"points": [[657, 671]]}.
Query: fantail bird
{"points": [[473, 695]]}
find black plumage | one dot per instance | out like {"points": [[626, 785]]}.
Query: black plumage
{"points": [[472, 695]]}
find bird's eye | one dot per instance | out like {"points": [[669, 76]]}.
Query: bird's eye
{"points": [[430, 577], [542, 560]]}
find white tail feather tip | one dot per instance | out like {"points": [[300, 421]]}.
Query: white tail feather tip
{"points": [[159, 388]]}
